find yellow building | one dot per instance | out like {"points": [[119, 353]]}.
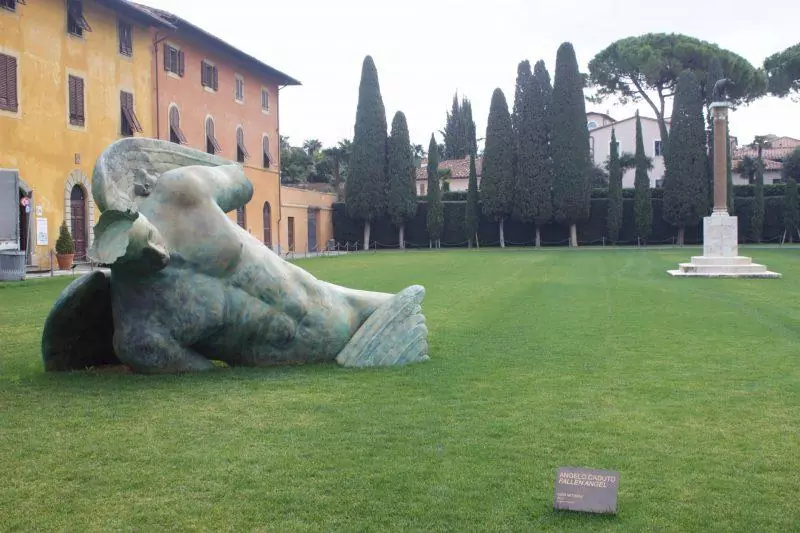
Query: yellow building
{"points": [[75, 76]]}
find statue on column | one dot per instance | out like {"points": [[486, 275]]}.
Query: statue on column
{"points": [[720, 93]]}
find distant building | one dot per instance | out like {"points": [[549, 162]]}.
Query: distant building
{"points": [[459, 174], [779, 149], [600, 126]]}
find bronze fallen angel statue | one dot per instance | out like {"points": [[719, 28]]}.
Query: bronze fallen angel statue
{"points": [[188, 286]]}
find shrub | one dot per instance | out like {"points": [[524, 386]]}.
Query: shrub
{"points": [[64, 244]]}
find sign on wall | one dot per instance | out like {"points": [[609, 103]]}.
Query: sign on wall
{"points": [[41, 232]]}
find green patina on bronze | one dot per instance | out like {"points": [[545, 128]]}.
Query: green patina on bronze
{"points": [[189, 286]]}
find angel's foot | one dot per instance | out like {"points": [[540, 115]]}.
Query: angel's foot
{"points": [[395, 334]]}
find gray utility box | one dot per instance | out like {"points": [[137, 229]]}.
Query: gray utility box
{"points": [[12, 265]]}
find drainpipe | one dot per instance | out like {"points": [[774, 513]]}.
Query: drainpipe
{"points": [[156, 42]]}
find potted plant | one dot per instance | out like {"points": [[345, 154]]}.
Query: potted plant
{"points": [[65, 248]]}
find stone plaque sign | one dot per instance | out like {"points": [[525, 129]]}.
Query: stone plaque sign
{"points": [[582, 489]]}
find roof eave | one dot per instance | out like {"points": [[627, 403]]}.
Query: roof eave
{"points": [[136, 13], [280, 77]]}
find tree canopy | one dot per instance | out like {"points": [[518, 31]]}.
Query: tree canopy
{"points": [[633, 67], [783, 71]]}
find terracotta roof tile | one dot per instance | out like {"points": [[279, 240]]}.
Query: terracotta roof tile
{"points": [[459, 168], [781, 147]]}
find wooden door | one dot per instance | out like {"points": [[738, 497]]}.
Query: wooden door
{"points": [[78, 217], [267, 225], [291, 234]]}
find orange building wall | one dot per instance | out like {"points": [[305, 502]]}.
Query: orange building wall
{"points": [[295, 203], [50, 154], [195, 103]]}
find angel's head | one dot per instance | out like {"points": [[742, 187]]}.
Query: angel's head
{"points": [[143, 182]]}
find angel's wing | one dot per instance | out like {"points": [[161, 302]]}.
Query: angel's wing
{"points": [[114, 172], [79, 330]]}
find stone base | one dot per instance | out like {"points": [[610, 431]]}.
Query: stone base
{"points": [[722, 267], [721, 257]]}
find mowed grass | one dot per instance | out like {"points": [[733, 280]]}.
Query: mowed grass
{"points": [[689, 388]]}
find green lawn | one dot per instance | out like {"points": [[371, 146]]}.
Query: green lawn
{"points": [[690, 388]]}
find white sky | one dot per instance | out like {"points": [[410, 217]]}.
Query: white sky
{"points": [[425, 50]]}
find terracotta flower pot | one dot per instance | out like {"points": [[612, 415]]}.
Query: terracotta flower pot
{"points": [[64, 261]]}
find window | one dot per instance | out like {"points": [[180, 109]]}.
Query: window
{"points": [[77, 115], [657, 148], [592, 124], [8, 83], [265, 149], [264, 100], [241, 151], [209, 76], [212, 146], [239, 88], [173, 60], [129, 121], [125, 31], [241, 217], [175, 133], [11, 5], [76, 23]]}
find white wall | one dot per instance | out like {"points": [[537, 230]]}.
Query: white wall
{"points": [[770, 177], [626, 137]]}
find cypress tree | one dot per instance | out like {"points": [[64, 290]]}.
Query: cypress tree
{"points": [[614, 190], [524, 140], [757, 219], [686, 179], [435, 207], [455, 140], [643, 206], [497, 180], [532, 199], [523, 76], [541, 73], [366, 181], [791, 209], [472, 207], [401, 173], [472, 138], [570, 143]]}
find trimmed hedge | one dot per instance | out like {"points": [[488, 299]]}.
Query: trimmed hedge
{"points": [[590, 232], [739, 191]]}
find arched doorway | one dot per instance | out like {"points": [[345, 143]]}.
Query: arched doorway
{"points": [[267, 225], [77, 201]]}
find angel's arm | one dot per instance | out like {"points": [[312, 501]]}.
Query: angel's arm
{"points": [[227, 185]]}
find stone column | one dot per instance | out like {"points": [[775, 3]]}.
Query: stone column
{"points": [[720, 116]]}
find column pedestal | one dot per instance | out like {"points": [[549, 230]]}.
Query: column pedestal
{"points": [[721, 257]]}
